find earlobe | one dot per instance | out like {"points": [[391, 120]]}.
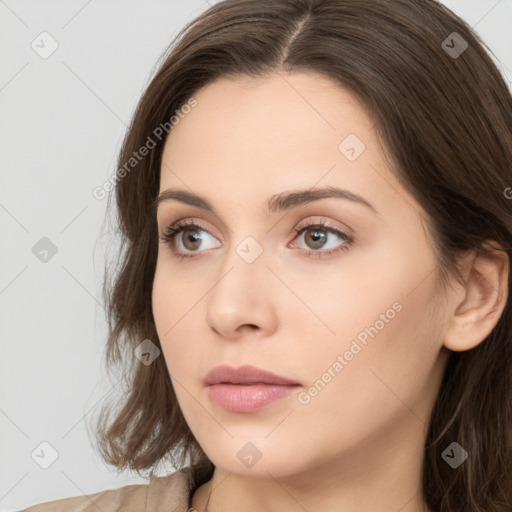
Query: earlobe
{"points": [[483, 299]]}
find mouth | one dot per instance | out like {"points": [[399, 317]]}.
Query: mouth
{"points": [[246, 389]]}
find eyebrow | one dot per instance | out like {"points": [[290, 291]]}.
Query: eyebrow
{"points": [[277, 203]]}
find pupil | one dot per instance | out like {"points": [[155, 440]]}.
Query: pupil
{"points": [[317, 237], [192, 238]]}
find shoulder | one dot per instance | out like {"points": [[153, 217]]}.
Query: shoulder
{"points": [[107, 500], [169, 493]]}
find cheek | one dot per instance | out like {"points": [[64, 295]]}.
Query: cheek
{"points": [[170, 303], [174, 295], [384, 359], [381, 321]]}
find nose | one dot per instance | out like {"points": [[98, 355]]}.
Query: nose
{"points": [[241, 301]]}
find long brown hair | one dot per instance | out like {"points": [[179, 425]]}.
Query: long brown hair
{"points": [[443, 112]]}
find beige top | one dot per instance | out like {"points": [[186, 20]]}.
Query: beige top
{"points": [[171, 493]]}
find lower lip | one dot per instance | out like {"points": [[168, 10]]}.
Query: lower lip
{"points": [[247, 398]]}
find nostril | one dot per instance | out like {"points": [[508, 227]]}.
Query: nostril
{"points": [[249, 326]]}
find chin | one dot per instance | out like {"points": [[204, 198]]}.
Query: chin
{"points": [[255, 456]]}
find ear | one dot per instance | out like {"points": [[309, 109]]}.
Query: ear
{"points": [[483, 298]]}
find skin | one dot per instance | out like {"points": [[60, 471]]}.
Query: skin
{"points": [[357, 445]]}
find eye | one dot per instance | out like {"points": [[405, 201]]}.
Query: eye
{"points": [[317, 235], [191, 240]]}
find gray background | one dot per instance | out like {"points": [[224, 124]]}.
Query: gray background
{"points": [[62, 123]]}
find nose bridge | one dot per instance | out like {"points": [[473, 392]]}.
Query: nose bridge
{"points": [[240, 295], [243, 266], [246, 244]]}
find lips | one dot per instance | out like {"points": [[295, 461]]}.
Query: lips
{"points": [[246, 389], [246, 374]]}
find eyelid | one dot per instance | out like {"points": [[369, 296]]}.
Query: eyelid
{"points": [[308, 221], [200, 223], [328, 223]]}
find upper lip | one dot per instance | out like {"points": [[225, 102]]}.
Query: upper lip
{"points": [[245, 374]]}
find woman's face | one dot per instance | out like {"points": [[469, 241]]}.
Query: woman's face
{"points": [[347, 311]]}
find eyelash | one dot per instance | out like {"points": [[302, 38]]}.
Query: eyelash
{"points": [[172, 231]]}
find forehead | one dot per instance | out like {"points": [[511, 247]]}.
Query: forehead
{"points": [[257, 137], [271, 112]]}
